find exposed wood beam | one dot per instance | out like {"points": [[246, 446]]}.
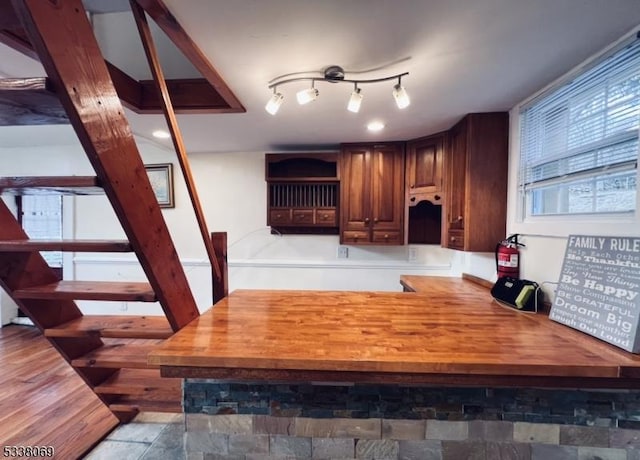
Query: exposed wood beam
{"points": [[189, 95], [176, 135], [19, 42], [158, 11]]}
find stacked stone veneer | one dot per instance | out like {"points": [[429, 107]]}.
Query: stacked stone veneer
{"points": [[392, 422]]}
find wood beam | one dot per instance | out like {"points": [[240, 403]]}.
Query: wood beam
{"points": [[189, 95], [158, 11], [176, 135]]}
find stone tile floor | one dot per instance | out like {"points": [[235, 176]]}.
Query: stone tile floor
{"points": [[150, 436]]}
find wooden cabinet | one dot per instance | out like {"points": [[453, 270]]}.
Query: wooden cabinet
{"points": [[476, 182], [424, 169], [303, 192], [424, 189], [372, 194]]}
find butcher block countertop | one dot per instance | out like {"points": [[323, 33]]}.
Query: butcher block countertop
{"points": [[451, 332]]}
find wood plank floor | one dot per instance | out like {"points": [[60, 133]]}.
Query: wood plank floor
{"points": [[43, 402]]}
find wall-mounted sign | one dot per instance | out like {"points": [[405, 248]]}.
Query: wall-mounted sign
{"points": [[599, 289]]}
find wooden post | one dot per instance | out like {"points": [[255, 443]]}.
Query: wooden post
{"points": [[221, 286]]}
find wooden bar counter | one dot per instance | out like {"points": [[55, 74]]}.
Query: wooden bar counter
{"points": [[451, 332]]}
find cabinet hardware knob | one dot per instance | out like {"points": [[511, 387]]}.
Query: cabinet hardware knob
{"points": [[459, 218], [412, 186], [375, 220], [325, 216], [278, 216], [437, 197], [366, 220], [413, 198], [453, 238], [386, 236]]}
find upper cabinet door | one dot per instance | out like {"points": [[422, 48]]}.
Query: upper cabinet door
{"points": [[387, 186], [372, 194], [355, 189], [456, 175], [424, 166]]}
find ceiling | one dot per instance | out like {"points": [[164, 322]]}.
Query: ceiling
{"points": [[461, 56]]}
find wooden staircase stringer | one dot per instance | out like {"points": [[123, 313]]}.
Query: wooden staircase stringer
{"points": [[63, 39]]}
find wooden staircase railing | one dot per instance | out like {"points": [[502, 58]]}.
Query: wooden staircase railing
{"points": [[108, 352]]}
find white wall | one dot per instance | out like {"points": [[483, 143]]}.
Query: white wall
{"points": [[233, 195]]}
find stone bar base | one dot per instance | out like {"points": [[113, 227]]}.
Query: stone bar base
{"points": [[319, 421], [254, 437]]}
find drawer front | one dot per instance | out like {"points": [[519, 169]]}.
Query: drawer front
{"points": [[354, 237], [279, 217], [456, 239], [302, 217], [326, 217], [382, 237]]}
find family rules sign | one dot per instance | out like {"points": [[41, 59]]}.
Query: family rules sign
{"points": [[599, 289]]}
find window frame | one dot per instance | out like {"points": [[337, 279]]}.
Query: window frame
{"points": [[623, 223]]}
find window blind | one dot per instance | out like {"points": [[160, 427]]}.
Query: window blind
{"points": [[42, 219], [579, 142]]}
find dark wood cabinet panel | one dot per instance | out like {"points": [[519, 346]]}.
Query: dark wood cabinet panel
{"points": [[372, 194], [424, 180], [355, 200], [456, 176], [476, 182]]}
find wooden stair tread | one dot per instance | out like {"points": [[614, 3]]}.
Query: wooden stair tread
{"points": [[140, 327], [141, 382], [47, 185], [66, 245], [119, 354], [90, 290], [30, 101], [134, 406]]}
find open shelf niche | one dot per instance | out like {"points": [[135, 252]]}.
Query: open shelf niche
{"points": [[303, 192]]}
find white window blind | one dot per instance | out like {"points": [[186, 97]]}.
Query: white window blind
{"points": [[579, 142]]}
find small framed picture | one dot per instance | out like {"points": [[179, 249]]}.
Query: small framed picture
{"points": [[161, 178]]}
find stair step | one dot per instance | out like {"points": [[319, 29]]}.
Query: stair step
{"points": [[130, 354], [48, 185], [30, 101], [90, 290], [135, 327], [142, 382], [66, 245], [131, 404]]}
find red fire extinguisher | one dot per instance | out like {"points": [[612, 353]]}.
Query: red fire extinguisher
{"points": [[508, 257]]}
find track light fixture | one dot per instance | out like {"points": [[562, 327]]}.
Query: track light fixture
{"points": [[335, 74], [274, 103]]}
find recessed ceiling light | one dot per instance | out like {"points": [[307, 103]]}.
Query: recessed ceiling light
{"points": [[160, 134], [375, 126]]}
